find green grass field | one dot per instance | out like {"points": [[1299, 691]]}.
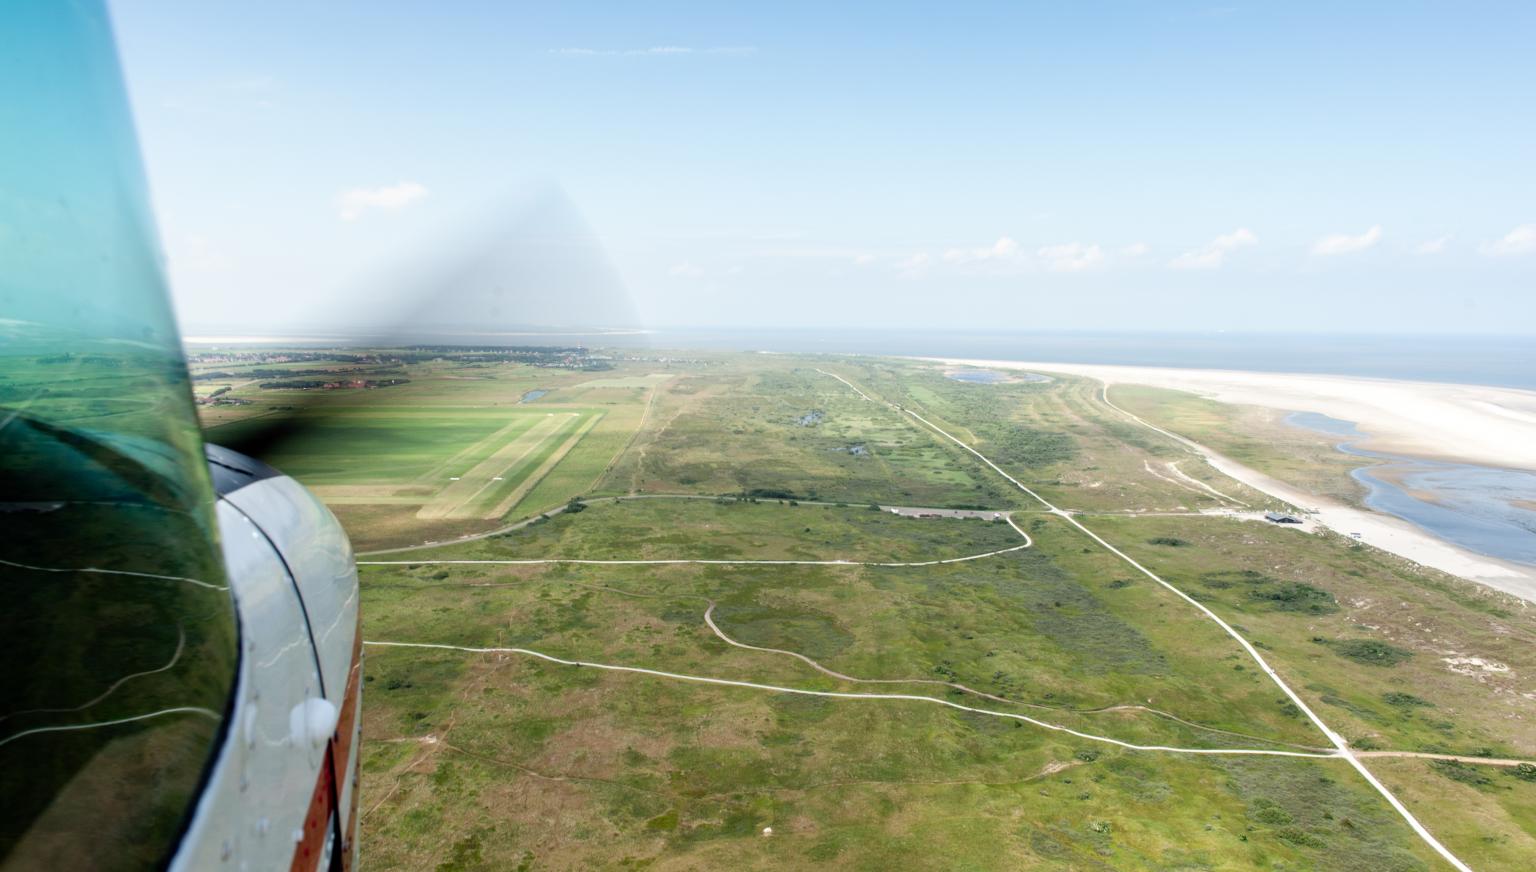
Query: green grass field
{"points": [[502, 760], [391, 446]]}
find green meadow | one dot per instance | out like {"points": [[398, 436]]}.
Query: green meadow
{"points": [[367, 446], [503, 760]]}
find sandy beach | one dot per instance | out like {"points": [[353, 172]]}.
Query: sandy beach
{"points": [[1482, 425]]}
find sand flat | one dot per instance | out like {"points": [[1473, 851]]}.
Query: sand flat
{"points": [[1469, 423]]}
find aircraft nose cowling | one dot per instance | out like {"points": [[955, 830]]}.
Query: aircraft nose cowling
{"points": [[314, 548]]}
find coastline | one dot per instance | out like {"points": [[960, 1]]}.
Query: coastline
{"points": [[1501, 423], [1475, 424]]}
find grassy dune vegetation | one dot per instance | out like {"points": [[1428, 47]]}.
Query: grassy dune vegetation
{"points": [[505, 761], [1493, 808], [659, 527], [1255, 437], [1396, 657], [1055, 437], [781, 426], [570, 767]]}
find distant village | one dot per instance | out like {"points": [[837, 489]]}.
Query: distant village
{"points": [[367, 369], [560, 357]]}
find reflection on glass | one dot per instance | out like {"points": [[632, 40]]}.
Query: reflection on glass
{"points": [[120, 637]]}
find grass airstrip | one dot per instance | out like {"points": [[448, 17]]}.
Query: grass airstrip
{"points": [[451, 452], [642, 681]]}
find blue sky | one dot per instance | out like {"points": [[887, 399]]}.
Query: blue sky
{"points": [[1075, 165]]}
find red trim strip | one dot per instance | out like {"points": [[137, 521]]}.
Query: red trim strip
{"points": [[338, 765], [344, 753], [306, 855]]}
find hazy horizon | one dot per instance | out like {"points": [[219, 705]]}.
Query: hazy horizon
{"points": [[1501, 360]]}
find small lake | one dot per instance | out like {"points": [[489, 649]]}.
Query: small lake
{"points": [[1485, 509], [531, 396], [992, 377]]}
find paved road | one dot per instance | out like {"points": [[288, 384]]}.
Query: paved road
{"points": [[920, 512]]}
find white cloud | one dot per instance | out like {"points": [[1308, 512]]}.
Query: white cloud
{"points": [[1521, 240], [864, 260], [1343, 243], [1236, 239], [1432, 246], [914, 266], [1212, 254], [1005, 256], [686, 270], [1070, 257], [1203, 258], [352, 204], [1003, 249], [1136, 249]]}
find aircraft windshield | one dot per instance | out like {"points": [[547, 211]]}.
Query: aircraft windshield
{"points": [[120, 654]]}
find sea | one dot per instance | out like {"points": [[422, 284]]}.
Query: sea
{"points": [[1492, 359], [1498, 360]]}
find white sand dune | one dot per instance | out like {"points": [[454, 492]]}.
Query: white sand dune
{"points": [[1470, 423]]}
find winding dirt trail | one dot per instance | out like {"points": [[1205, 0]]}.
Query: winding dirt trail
{"points": [[674, 561], [837, 694], [723, 636], [709, 619]]}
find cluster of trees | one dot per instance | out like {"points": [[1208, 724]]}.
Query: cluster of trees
{"points": [[88, 359], [331, 384]]}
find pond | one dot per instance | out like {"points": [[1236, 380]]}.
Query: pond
{"points": [[992, 377]]}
